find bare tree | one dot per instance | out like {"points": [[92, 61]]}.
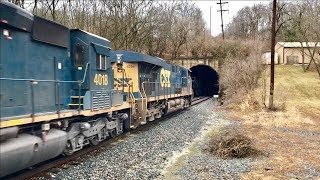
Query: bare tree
{"points": [[165, 29], [308, 30]]}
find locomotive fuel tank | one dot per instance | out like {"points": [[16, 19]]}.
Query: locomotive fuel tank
{"points": [[174, 105], [7, 133], [27, 150]]}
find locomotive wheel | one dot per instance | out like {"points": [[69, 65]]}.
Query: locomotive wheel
{"points": [[94, 141], [126, 125], [113, 133], [68, 151]]}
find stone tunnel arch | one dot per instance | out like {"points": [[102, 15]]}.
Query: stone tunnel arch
{"points": [[205, 80]]}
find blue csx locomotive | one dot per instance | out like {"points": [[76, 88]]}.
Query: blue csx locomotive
{"points": [[62, 89]]}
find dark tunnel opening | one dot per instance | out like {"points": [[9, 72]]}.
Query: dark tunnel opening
{"points": [[205, 81]]}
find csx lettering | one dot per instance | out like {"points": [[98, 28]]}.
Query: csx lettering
{"points": [[165, 78], [100, 80]]}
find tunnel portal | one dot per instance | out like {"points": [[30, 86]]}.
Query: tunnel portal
{"points": [[205, 81]]}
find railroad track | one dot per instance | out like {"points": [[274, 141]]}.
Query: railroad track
{"points": [[198, 100], [61, 161]]}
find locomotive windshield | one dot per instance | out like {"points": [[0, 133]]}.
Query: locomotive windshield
{"points": [[78, 55]]}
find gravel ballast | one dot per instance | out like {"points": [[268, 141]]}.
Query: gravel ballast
{"points": [[146, 154]]}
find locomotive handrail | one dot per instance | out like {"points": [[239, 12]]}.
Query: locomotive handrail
{"points": [[35, 81], [39, 80], [166, 85], [143, 90], [85, 73], [48, 80]]}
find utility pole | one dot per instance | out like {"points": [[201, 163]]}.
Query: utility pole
{"points": [[221, 13], [273, 43]]}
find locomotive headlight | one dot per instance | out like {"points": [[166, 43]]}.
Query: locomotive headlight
{"points": [[6, 32], [119, 60]]}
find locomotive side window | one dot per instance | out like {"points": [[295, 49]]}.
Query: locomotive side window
{"points": [[101, 62], [174, 69], [79, 55]]}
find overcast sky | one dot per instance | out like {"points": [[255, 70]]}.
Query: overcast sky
{"points": [[233, 6]]}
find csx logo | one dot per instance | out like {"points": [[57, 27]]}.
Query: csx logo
{"points": [[164, 78], [119, 82]]}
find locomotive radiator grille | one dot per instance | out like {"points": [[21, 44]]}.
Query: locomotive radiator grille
{"points": [[101, 100]]}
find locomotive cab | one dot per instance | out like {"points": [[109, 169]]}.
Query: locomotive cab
{"points": [[90, 56]]}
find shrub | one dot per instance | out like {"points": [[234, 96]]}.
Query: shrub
{"points": [[241, 70], [231, 145]]}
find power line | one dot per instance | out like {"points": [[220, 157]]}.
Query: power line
{"points": [[221, 13]]}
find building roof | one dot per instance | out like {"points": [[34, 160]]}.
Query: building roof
{"points": [[298, 44]]}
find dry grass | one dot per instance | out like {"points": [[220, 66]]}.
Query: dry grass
{"points": [[289, 152], [290, 135], [297, 100]]}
